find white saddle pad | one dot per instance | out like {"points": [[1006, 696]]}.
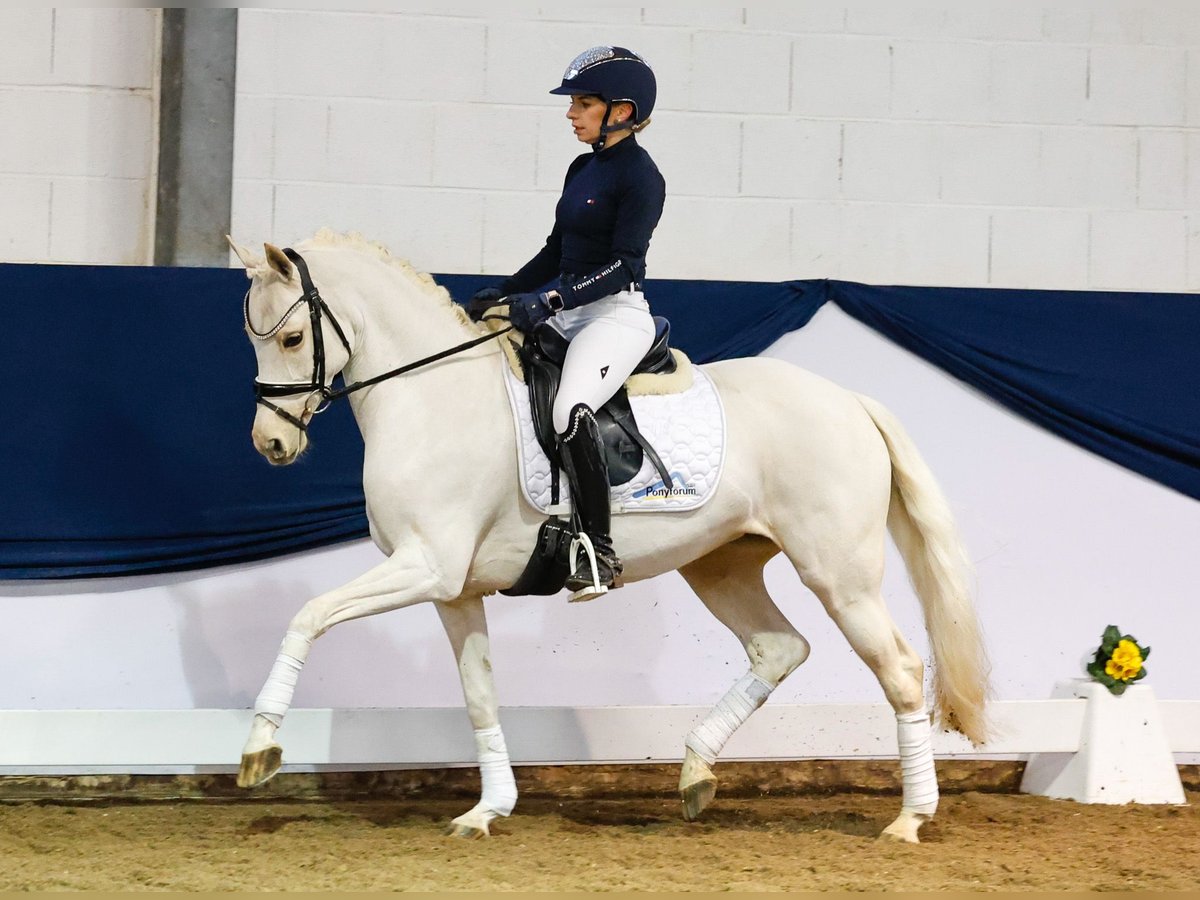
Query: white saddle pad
{"points": [[687, 429]]}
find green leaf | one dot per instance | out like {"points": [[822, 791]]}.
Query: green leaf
{"points": [[1112, 637], [1145, 652], [1118, 687]]}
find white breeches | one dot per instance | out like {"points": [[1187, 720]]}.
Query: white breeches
{"points": [[608, 339]]}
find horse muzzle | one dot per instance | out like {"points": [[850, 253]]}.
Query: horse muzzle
{"points": [[278, 446]]}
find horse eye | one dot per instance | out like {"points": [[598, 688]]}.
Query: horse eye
{"points": [[293, 340]]}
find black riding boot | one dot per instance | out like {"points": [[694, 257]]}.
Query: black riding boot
{"points": [[587, 474]]}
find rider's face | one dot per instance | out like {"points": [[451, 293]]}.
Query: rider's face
{"points": [[586, 112]]}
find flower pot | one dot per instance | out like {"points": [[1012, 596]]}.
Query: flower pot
{"points": [[1123, 754]]}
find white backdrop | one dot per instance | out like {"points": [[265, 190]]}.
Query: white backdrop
{"points": [[1064, 542]]}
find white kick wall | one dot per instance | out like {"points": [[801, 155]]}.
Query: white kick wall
{"points": [[1018, 145]]}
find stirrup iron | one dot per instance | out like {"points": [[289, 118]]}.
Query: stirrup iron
{"points": [[595, 589]]}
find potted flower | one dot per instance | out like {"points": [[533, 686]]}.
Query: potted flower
{"points": [[1119, 660]]}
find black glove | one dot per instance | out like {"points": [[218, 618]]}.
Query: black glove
{"points": [[527, 311], [482, 301]]}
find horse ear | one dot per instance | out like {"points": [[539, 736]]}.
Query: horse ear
{"points": [[278, 261], [244, 254]]}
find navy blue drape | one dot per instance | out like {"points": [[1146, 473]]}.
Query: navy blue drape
{"points": [[125, 447], [1113, 372]]}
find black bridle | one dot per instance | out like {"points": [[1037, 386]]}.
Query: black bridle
{"points": [[316, 386]]}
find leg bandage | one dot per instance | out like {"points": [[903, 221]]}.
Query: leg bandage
{"points": [[707, 738], [276, 696], [495, 771], [916, 762]]}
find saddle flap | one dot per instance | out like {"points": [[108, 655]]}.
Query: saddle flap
{"points": [[622, 452]]}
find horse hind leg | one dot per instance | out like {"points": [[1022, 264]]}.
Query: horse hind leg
{"points": [[729, 581], [854, 601]]}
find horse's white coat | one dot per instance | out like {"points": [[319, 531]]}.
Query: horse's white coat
{"points": [[812, 470]]}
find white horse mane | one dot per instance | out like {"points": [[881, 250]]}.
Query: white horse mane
{"points": [[327, 237]]}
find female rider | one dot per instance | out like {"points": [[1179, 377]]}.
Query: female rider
{"points": [[586, 281]]}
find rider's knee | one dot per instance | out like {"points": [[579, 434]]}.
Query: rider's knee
{"points": [[565, 416]]}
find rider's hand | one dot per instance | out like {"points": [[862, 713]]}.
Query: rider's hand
{"points": [[527, 311], [482, 301]]}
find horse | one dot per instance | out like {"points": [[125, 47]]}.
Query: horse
{"points": [[812, 470]]}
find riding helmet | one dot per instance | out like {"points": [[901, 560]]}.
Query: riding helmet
{"points": [[615, 75]]}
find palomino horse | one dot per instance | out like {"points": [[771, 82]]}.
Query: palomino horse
{"points": [[811, 470]]}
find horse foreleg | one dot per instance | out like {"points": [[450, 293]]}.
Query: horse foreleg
{"points": [[466, 626], [408, 576], [730, 583], [261, 756]]}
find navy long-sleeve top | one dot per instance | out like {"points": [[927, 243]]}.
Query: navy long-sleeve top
{"points": [[611, 202]]}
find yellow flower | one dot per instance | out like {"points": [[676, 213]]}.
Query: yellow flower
{"points": [[1128, 657], [1118, 671]]}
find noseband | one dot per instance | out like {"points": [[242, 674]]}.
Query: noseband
{"points": [[316, 385]]}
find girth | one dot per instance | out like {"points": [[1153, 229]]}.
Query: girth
{"points": [[625, 448]]}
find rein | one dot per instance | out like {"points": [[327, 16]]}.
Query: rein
{"points": [[316, 386]]}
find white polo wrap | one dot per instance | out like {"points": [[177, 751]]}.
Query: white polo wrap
{"points": [[747, 695], [276, 697], [916, 762], [495, 771]]}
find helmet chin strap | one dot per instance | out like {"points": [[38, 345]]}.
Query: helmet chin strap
{"points": [[606, 129]]}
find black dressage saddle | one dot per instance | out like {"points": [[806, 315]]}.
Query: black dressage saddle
{"points": [[625, 448], [542, 358]]}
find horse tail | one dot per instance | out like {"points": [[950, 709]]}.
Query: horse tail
{"points": [[922, 525]]}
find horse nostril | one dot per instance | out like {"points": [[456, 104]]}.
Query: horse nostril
{"points": [[274, 446]]}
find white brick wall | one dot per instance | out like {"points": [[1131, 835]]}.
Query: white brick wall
{"points": [[1018, 143], [1013, 143], [77, 154]]}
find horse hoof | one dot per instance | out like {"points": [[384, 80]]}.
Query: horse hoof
{"points": [[260, 766], [904, 829], [696, 797], [471, 832]]}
